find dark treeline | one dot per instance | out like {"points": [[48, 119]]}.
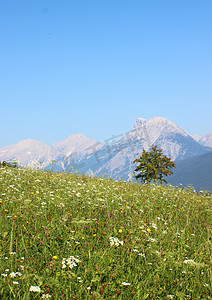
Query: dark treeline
{"points": [[8, 164]]}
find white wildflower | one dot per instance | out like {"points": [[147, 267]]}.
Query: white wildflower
{"points": [[115, 241], [70, 262], [142, 254], [154, 226], [152, 240], [34, 288], [193, 263], [126, 283], [12, 275], [46, 296], [64, 263], [189, 261]]}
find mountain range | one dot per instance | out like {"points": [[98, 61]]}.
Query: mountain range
{"points": [[114, 157], [195, 171]]}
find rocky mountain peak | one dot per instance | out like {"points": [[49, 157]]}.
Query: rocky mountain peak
{"points": [[206, 140], [139, 123]]}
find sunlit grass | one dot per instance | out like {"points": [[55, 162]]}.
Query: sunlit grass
{"points": [[66, 236]]}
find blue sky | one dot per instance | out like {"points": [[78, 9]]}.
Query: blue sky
{"points": [[94, 67]]}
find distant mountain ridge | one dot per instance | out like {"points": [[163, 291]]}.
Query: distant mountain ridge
{"points": [[195, 171], [28, 152], [205, 140], [115, 157]]}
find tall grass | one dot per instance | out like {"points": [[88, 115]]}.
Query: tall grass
{"points": [[68, 236]]}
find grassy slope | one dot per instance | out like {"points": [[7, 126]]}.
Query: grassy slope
{"points": [[48, 217]]}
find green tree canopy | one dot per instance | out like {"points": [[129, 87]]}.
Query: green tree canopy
{"points": [[153, 165]]}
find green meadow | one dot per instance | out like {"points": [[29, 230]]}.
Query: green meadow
{"points": [[68, 236]]}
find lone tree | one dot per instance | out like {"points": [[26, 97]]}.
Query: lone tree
{"points": [[153, 165]]}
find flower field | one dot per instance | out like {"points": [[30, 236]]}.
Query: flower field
{"points": [[68, 236]]}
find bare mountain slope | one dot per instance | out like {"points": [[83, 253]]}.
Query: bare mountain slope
{"points": [[27, 152]]}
